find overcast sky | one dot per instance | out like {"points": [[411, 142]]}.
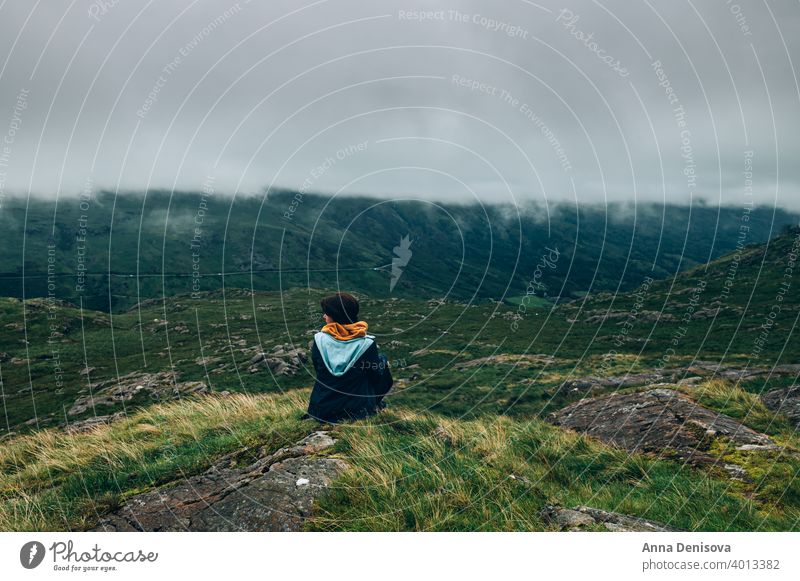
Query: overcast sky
{"points": [[500, 100]]}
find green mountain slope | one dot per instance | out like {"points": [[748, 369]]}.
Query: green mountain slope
{"points": [[741, 308], [164, 390], [53, 353], [110, 252]]}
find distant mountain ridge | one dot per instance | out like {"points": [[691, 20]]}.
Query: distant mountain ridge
{"points": [[110, 252]]}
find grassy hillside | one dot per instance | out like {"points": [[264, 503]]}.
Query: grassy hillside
{"points": [[465, 443], [111, 252], [53, 353], [742, 308], [411, 470], [52, 482]]}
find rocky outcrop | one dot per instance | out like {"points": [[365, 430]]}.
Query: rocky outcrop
{"points": [[732, 373], [274, 493], [643, 316], [698, 372], [282, 360], [89, 424], [658, 420], [784, 400], [158, 386], [523, 360], [581, 517], [595, 383]]}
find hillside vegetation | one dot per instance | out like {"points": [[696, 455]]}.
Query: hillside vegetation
{"points": [[110, 252], [482, 429], [410, 471]]}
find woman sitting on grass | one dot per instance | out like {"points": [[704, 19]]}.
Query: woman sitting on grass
{"points": [[352, 377]]}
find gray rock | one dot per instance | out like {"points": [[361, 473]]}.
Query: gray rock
{"points": [[658, 420], [521, 360], [158, 386], [758, 448], [270, 494], [567, 518], [594, 383], [731, 373], [582, 516], [273, 502], [282, 360], [694, 380], [736, 472], [621, 316], [784, 400], [90, 423]]}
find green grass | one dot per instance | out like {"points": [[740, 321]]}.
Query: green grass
{"points": [[409, 470], [52, 481], [530, 300], [221, 327], [734, 401], [405, 476], [419, 471]]}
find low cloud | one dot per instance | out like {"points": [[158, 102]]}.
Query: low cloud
{"points": [[509, 102]]}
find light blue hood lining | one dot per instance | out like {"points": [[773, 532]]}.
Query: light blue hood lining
{"points": [[340, 356]]}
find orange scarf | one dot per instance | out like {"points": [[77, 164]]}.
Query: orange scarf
{"points": [[346, 332]]}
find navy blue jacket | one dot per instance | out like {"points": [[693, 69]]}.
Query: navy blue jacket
{"points": [[357, 393]]}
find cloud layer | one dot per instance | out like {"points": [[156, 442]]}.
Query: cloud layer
{"points": [[511, 101]]}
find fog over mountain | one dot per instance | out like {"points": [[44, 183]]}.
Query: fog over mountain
{"points": [[448, 100]]}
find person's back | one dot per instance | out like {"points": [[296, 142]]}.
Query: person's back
{"points": [[352, 376]]}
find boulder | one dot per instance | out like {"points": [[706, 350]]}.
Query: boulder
{"points": [[595, 383], [90, 423], [580, 517], [785, 400], [733, 373], [522, 360], [257, 358], [158, 386], [622, 316], [282, 360], [275, 493], [659, 420]]}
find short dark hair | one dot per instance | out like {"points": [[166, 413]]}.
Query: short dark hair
{"points": [[341, 307]]}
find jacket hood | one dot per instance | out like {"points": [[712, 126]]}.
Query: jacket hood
{"points": [[347, 331], [340, 356]]}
